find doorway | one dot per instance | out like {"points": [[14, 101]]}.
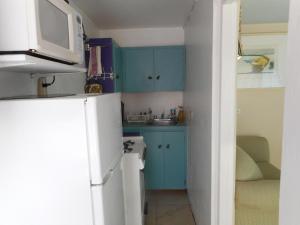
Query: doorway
{"points": [[261, 72], [227, 137]]}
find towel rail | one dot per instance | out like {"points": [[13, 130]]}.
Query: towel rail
{"points": [[88, 46], [102, 76]]}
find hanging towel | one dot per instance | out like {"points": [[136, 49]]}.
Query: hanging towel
{"points": [[95, 63]]}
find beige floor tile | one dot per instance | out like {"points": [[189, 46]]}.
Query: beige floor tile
{"points": [[151, 196], [163, 210], [150, 218], [171, 197], [168, 208], [181, 216]]}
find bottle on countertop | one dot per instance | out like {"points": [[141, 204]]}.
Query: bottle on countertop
{"points": [[150, 114], [173, 114], [181, 115]]}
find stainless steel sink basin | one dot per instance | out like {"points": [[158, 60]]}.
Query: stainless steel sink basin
{"points": [[163, 122]]}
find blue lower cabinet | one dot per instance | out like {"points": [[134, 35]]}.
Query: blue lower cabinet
{"points": [[154, 170], [165, 161], [174, 160]]}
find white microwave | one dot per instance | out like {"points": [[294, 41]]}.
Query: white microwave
{"points": [[50, 29]]}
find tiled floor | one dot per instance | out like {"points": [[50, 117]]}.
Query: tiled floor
{"points": [[169, 208]]}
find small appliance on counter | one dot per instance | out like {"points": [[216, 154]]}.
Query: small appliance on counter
{"points": [[93, 89], [138, 118], [133, 179]]}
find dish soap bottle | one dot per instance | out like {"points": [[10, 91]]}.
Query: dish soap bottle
{"points": [[181, 115]]}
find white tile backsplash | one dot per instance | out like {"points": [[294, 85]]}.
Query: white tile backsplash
{"points": [[159, 102]]}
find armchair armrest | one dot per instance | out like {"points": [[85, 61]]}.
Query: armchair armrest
{"points": [[269, 171]]}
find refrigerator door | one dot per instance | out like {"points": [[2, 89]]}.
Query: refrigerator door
{"points": [[104, 128], [44, 170], [108, 200]]}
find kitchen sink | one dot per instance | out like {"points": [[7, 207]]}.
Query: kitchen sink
{"points": [[163, 122]]}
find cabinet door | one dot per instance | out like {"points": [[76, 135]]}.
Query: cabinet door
{"points": [[117, 67], [154, 160], [169, 68], [174, 160], [139, 69]]}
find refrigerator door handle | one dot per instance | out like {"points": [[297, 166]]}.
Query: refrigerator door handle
{"points": [[105, 179]]}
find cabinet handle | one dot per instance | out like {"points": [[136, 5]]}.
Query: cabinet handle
{"points": [[158, 77], [117, 77], [160, 146], [150, 77], [168, 146]]}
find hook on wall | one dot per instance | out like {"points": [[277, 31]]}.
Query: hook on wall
{"points": [[45, 85], [42, 86]]}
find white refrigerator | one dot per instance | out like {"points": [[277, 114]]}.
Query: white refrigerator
{"points": [[60, 161]]}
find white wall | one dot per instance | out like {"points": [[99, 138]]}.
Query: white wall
{"points": [[290, 182], [91, 28], [146, 36], [211, 39], [264, 28], [198, 101], [65, 84], [261, 113]]}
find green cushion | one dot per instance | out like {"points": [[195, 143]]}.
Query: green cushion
{"points": [[269, 171], [256, 147], [246, 167]]}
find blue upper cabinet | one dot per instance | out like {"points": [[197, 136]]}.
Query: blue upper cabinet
{"points": [[117, 67], [138, 69], [149, 69], [169, 68]]}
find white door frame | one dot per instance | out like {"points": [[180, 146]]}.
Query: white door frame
{"points": [[226, 27], [290, 183]]}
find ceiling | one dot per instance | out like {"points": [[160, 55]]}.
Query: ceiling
{"points": [[265, 11], [122, 14], [114, 14]]}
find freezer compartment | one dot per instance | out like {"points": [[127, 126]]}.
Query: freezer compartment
{"points": [[108, 200], [104, 129]]}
